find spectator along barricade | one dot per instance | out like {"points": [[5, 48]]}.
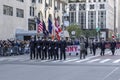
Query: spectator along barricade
{"points": [[8, 47]]}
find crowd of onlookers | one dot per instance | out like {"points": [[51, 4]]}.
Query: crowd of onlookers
{"points": [[13, 47], [18, 47]]}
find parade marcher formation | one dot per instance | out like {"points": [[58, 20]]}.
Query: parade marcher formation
{"points": [[46, 48]]}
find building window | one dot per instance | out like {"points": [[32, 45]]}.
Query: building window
{"points": [[82, 7], [39, 1], [102, 6], [31, 25], [94, 0], [21, 0], [92, 6], [33, 1], [7, 10], [72, 17], [81, 1], [72, 7], [50, 3], [99, 0], [89, 0], [58, 5], [20, 13], [63, 7], [104, 0], [102, 19], [82, 19], [32, 11], [91, 20]]}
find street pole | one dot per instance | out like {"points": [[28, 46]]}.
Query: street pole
{"points": [[35, 18], [114, 17], [63, 24]]}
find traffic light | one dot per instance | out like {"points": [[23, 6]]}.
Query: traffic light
{"points": [[97, 29]]}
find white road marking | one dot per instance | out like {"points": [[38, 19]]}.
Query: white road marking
{"points": [[117, 61], [2, 59], [94, 60], [110, 73], [88, 58], [45, 60], [56, 61], [24, 59], [103, 61], [70, 60], [82, 60], [12, 59]]}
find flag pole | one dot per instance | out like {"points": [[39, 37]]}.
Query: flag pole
{"points": [[36, 25]]}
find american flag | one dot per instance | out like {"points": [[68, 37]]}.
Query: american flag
{"points": [[58, 29], [40, 26]]}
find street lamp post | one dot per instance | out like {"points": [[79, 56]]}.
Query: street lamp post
{"points": [[36, 25], [114, 17], [73, 34], [98, 32], [65, 20]]}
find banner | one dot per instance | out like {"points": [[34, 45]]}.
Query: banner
{"points": [[73, 49]]}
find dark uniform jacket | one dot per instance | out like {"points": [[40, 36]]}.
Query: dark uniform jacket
{"points": [[49, 45], [62, 45], [32, 44], [102, 45], [39, 44], [112, 45], [56, 45], [94, 45], [44, 45]]}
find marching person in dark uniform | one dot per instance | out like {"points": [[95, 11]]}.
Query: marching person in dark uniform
{"points": [[113, 46], [63, 46], [32, 48], [44, 49], [90, 45], [50, 49], [56, 46], [94, 47], [86, 46], [102, 47], [82, 49], [39, 48]]}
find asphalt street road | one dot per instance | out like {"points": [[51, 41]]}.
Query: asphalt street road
{"points": [[92, 68]]}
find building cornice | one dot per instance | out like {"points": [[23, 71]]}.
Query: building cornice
{"points": [[63, 1]]}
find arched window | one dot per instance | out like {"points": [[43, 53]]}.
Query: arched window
{"points": [[40, 15]]}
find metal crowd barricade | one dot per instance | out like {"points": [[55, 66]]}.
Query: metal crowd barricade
{"points": [[26, 50], [8, 51], [21, 50], [1, 51], [14, 50], [5, 51]]}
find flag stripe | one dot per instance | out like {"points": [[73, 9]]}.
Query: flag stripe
{"points": [[40, 26], [57, 29]]}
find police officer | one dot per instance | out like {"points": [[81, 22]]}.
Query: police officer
{"points": [[113, 46], [82, 49], [39, 48], [44, 49], [56, 55], [102, 47], [63, 45], [50, 50], [86, 46], [94, 47], [32, 48]]}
